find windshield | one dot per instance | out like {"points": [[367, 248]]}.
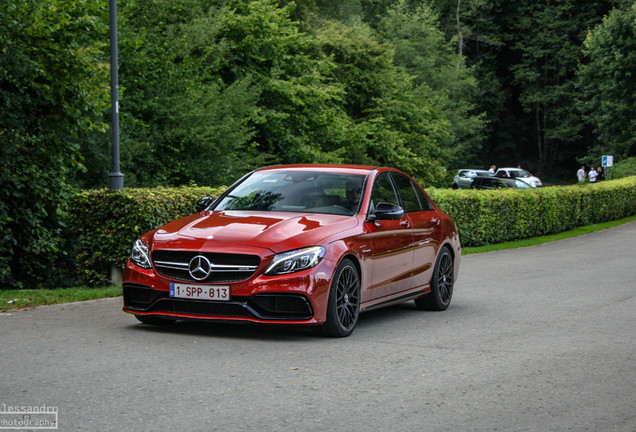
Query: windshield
{"points": [[520, 173], [297, 191]]}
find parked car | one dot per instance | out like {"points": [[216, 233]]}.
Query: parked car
{"points": [[498, 183], [464, 177], [307, 245], [518, 173]]}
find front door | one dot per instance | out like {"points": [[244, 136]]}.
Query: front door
{"points": [[424, 221], [392, 245]]}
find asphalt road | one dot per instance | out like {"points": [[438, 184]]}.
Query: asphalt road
{"points": [[536, 339]]}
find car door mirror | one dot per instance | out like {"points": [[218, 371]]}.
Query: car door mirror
{"points": [[387, 211], [203, 203]]}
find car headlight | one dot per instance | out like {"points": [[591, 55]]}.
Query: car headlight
{"points": [[296, 260], [140, 255]]}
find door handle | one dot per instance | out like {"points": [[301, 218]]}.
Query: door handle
{"points": [[435, 221], [404, 223]]}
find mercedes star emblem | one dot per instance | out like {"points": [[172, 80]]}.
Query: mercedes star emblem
{"points": [[199, 267]]}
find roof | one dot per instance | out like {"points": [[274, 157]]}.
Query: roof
{"points": [[361, 169]]}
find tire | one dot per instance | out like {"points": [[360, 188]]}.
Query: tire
{"points": [[441, 284], [343, 305], [154, 320]]}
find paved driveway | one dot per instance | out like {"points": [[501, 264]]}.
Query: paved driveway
{"points": [[536, 339]]}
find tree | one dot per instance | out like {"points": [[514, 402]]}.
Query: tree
{"points": [[214, 90], [180, 122], [545, 74], [607, 80], [475, 28], [53, 86], [395, 121], [525, 56], [439, 72]]}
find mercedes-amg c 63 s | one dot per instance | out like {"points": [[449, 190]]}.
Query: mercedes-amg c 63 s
{"points": [[301, 245]]}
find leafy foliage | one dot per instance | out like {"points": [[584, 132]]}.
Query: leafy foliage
{"points": [[180, 122], [211, 90], [393, 122], [122, 217], [441, 77], [52, 88], [546, 39], [483, 217], [526, 55], [216, 90], [623, 168], [487, 217], [607, 81]]}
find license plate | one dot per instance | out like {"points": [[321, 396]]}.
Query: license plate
{"points": [[200, 292]]}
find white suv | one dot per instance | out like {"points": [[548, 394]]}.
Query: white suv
{"points": [[464, 177], [520, 174]]}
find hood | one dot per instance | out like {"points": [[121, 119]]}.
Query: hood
{"points": [[277, 231]]}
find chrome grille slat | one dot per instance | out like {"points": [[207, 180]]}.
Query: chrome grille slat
{"points": [[224, 267], [173, 265], [217, 267]]}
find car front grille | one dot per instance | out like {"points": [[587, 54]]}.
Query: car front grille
{"points": [[225, 267], [263, 306]]}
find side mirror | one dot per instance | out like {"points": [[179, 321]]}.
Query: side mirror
{"points": [[203, 203], [386, 211]]}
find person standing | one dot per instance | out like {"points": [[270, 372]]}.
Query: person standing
{"points": [[593, 174], [601, 174], [492, 169], [580, 174]]}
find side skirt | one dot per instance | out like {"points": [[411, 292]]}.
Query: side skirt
{"points": [[388, 301]]}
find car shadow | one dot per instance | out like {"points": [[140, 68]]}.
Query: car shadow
{"points": [[404, 312], [239, 330]]}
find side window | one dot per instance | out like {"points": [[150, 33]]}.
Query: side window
{"points": [[383, 191], [410, 200], [424, 202]]}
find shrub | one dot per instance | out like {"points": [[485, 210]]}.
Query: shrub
{"points": [[623, 168], [105, 224], [487, 217]]}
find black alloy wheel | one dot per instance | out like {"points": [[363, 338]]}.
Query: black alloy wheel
{"points": [[343, 308], [441, 284]]}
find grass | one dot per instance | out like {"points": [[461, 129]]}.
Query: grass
{"points": [[18, 299], [548, 238]]}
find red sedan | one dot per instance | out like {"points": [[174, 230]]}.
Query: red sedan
{"points": [[298, 244]]}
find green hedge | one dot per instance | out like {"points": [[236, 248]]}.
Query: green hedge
{"points": [[623, 168], [494, 216], [105, 224]]}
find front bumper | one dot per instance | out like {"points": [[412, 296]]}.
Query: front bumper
{"points": [[142, 300], [298, 298]]}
